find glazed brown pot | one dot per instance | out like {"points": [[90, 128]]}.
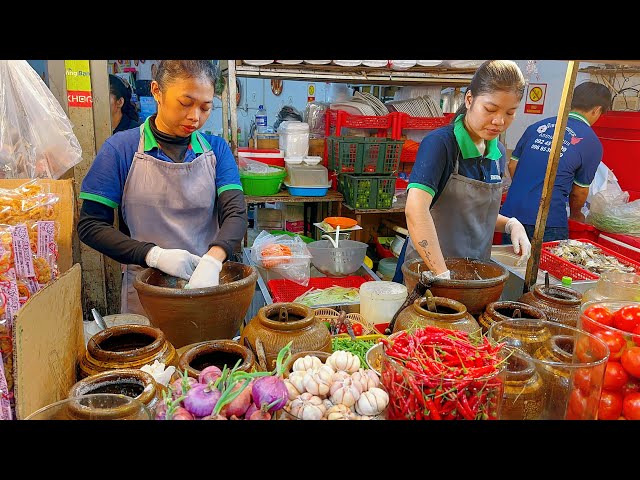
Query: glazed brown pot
{"points": [[448, 314], [506, 309], [560, 304], [131, 382], [475, 283], [275, 331], [218, 353], [196, 315], [126, 346]]}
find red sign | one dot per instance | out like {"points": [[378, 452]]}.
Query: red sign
{"points": [[79, 99], [534, 102]]}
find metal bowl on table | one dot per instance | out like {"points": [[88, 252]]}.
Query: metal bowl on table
{"points": [[338, 261]]}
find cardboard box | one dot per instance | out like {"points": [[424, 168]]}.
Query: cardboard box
{"points": [[48, 344], [65, 214]]}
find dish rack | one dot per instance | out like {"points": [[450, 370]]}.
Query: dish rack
{"points": [[559, 267]]}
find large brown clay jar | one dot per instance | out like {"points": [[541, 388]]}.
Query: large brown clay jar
{"points": [[448, 313], [131, 382], [278, 324], [126, 346], [218, 353], [560, 304], [507, 309]]}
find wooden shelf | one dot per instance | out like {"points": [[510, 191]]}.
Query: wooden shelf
{"points": [[359, 211], [284, 196]]}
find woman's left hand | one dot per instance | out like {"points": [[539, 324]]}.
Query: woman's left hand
{"points": [[206, 274]]}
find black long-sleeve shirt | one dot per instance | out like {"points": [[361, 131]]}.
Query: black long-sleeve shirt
{"points": [[96, 229]]}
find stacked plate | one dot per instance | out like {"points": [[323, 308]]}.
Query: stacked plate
{"points": [[257, 63], [318, 62], [355, 108], [371, 100], [422, 106], [347, 63]]}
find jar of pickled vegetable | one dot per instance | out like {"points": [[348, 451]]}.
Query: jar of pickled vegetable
{"points": [[523, 397], [560, 304], [614, 286], [433, 373], [506, 309]]}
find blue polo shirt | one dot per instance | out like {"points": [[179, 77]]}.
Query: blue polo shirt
{"points": [[104, 182], [579, 159], [435, 160]]}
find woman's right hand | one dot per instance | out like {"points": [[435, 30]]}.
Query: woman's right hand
{"points": [[177, 262]]}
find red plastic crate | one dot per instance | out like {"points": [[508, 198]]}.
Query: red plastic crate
{"points": [[627, 245], [404, 120], [583, 230], [283, 290], [339, 119], [559, 267]]}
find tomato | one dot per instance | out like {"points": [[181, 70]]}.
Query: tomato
{"points": [[631, 386], [357, 329], [342, 328], [631, 406], [582, 379], [615, 376], [576, 406], [627, 318], [631, 361], [614, 340], [610, 406], [600, 314]]}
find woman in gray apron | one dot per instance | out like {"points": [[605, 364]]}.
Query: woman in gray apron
{"points": [[177, 191], [455, 186]]}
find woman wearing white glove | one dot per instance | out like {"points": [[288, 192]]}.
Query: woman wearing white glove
{"points": [[177, 191], [455, 186]]}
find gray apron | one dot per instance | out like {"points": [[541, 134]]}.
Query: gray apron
{"points": [[465, 217], [170, 204]]}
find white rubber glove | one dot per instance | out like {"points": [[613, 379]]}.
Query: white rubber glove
{"points": [[519, 239], [206, 274], [176, 262], [446, 275]]}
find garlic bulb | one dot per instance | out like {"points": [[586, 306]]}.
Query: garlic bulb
{"points": [[343, 360], [297, 379], [339, 412], [308, 362], [308, 407], [291, 388], [315, 385], [327, 403], [325, 372], [367, 378], [372, 402], [339, 376], [345, 392]]}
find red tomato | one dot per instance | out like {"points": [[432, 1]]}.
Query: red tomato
{"points": [[610, 406], [627, 318], [600, 314], [582, 379], [631, 386], [631, 406], [631, 361], [357, 329], [615, 376], [577, 405], [342, 328], [614, 340]]}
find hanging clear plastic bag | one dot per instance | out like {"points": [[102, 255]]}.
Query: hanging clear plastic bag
{"points": [[283, 254], [611, 211], [36, 136]]}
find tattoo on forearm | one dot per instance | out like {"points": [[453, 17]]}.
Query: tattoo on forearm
{"points": [[424, 244]]}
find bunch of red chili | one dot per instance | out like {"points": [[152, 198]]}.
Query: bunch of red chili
{"points": [[433, 373]]}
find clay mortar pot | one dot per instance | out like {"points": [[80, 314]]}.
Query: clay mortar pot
{"points": [[126, 346], [447, 313], [131, 382], [218, 353], [277, 324], [196, 315], [474, 283], [505, 310]]}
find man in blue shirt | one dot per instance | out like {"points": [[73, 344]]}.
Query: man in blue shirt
{"points": [[581, 154]]}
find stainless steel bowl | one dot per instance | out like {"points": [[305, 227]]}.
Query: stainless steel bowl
{"points": [[337, 262]]}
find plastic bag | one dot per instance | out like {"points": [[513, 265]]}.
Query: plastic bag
{"points": [[36, 136], [611, 211], [253, 166], [284, 254]]}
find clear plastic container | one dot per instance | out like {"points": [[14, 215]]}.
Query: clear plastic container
{"points": [[614, 286], [379, 301], [306, 175], [294, 138]]}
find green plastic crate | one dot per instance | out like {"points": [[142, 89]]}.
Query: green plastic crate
{"points": [[368, 192], [262, 184], [364, 155]]}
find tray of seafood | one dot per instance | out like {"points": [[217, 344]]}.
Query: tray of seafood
{"points": [[582, 259]]}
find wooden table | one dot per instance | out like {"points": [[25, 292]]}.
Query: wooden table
{"points": [[310, 204]]}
